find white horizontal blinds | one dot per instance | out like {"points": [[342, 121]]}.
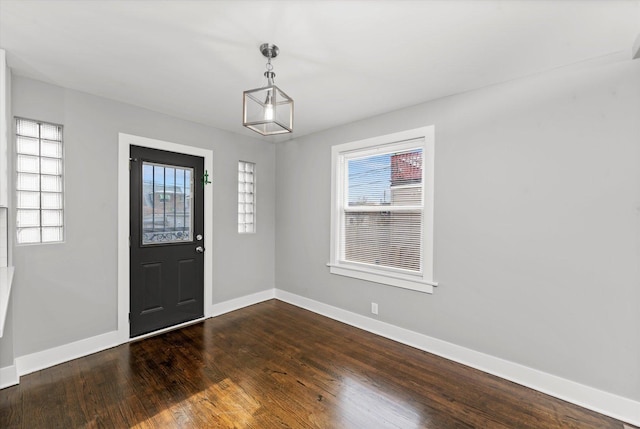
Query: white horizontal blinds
{"points": [[383, 210], [39, 185], [246, 197]]}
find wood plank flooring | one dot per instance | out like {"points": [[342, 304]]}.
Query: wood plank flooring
{"points": [[273, 365]]}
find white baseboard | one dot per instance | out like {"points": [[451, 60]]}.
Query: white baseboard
{"points": [[602, 402], [47, 358], [57, 355], [615, 406], [9, 376], [241, 302]]}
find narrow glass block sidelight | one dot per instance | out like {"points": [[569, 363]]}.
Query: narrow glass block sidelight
{"points": [[246, 197], [39, 182]]}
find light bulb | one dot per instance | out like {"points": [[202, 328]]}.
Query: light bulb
{"points": [[268, 107], [268, 112]]}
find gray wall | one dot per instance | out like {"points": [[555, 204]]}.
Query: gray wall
{"points": [[67, 292], [536, 223]]}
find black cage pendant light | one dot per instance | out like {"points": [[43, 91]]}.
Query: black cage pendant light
{"points": [[268, 110]]}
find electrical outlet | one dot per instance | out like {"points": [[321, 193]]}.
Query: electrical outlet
{"points": [[374, 307]]}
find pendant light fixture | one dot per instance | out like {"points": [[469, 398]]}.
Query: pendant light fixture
{"points": [[268, 110]]}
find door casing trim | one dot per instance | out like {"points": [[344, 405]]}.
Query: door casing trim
{"points": [[124, 143]]}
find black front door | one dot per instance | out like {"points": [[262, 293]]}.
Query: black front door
{"points": [[167, 228]]}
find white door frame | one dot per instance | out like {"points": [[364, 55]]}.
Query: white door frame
{"points": [[124, 143]]}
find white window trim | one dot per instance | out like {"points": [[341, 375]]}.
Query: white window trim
{"points": [[422, 282]]}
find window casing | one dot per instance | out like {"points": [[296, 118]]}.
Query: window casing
{"points": [[382, 209], [246, 197], [39, 182]]}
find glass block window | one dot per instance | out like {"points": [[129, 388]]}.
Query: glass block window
{"points": [[39, 182], [246, 197]]}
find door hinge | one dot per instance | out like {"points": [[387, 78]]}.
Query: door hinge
{"points": [[132, 160], [129, 317], [129, 241]]}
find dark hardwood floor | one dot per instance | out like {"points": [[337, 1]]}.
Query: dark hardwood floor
{"points": [[273, 365]]}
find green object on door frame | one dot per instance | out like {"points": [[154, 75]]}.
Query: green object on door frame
{"points": [[205, 179]]}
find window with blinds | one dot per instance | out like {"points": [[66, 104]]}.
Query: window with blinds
{"points": [[246, 197], [39, 182], [383, 209]]}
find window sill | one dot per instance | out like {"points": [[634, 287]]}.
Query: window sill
{"points": [[6, 278], [391, 279]]}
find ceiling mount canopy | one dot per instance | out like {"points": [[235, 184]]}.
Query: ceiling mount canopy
{"points": [[268, 110], [269, 51]]}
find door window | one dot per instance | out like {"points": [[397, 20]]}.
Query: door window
{"points": [[167, 207]]}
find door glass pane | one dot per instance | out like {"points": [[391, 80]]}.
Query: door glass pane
{"points": [[167, 209]]}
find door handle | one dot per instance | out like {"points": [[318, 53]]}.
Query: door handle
{"points": [[200, 249]]}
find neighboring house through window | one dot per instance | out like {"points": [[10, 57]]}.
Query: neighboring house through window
{"points": [[382, 209], [39, 184]]}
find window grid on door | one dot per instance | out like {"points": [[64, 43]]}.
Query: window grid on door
{"points": [[39, 182], [246, 197], [167, 206]]}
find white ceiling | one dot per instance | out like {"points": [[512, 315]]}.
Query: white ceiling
{"points": [[339, 60]]}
